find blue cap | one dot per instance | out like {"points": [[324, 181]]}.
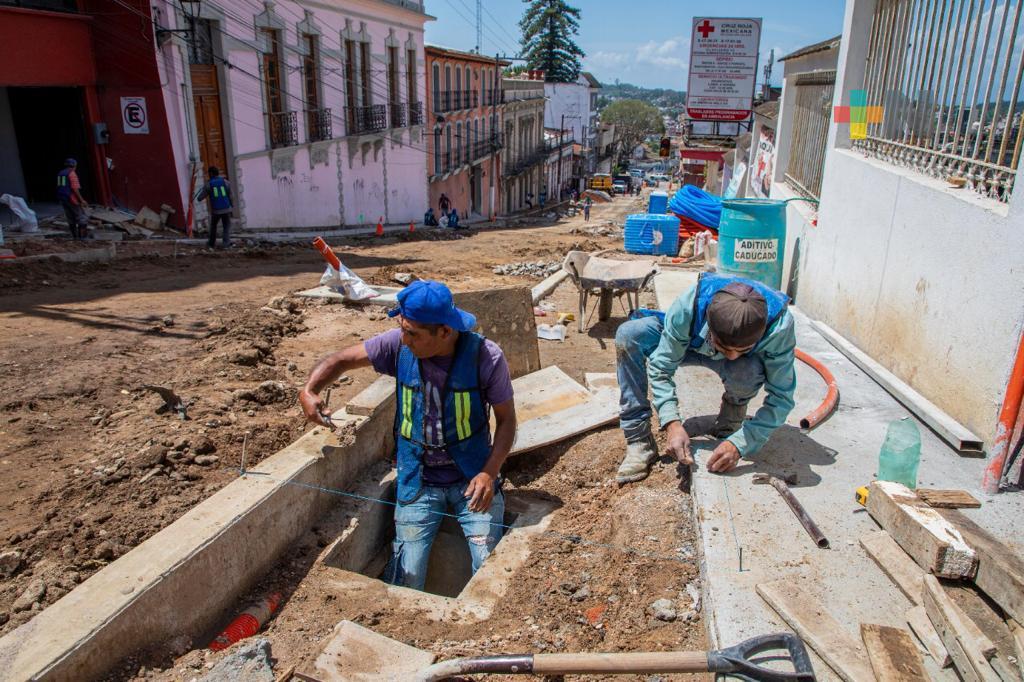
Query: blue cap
{"points": [[70, 162], [429, 302]]}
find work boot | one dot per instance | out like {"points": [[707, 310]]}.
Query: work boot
{"points": [[637, 462], [730, 419]]}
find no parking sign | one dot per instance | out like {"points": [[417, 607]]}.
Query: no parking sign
{"points": [[134, 116]]}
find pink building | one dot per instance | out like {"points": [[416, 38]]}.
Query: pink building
{"points": [[316, 116]]}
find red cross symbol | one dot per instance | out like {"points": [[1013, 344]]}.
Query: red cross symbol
{"points": [[705, 29]]}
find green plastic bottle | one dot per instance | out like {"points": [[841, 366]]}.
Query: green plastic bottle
{"points": [[901, 453]]}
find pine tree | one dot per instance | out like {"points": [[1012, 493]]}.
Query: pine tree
{"points": [[548, 28]]}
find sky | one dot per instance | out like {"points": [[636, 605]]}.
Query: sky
{"points": [[643, 42]]}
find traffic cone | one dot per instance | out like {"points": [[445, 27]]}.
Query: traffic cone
{"points": [[380, 227], [412, 228]]}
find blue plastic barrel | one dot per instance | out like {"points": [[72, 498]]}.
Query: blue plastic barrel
{"points": [[652, 234], [752, 239], [658, 202]]}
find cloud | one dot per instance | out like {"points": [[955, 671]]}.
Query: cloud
{"points": [[666, 54], [670, 54], [604, 59]]}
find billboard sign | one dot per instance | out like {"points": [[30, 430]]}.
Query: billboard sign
{"points": [[723, 68]]}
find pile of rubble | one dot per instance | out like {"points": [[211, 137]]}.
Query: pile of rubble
{"points": [[539, 269], [116, 225], [607, 229]]}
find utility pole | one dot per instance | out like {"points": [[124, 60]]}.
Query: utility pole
{"points": [[561, 131]]}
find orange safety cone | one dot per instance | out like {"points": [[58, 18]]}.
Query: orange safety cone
{"points": [[380, 227], [247, 624]]}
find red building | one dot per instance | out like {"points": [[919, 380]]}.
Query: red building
{"points": [[80, 78]]}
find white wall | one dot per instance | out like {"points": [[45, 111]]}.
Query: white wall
{"points": [[571, 100], [924, 278]]}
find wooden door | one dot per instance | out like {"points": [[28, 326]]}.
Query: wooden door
{"points": [[209, 123]]}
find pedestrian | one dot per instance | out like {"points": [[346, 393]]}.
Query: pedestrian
{"points": [[529, 200], [429, 219], [453, 219], [449, 380], [69, 193], [586, 210], [543, 195], [738, 328], [218, 189], [444, 204]]}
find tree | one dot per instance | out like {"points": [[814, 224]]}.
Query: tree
{"points": [[548, 28], [634, 121]]}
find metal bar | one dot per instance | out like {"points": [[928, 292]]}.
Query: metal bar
{"points": [[929, 47], [905, 86], [946, 93], [1002, 80], [967, 82], [991, 77], [877, 94], [892, 86], [977, 82], [940, 48], [1013, 102]]}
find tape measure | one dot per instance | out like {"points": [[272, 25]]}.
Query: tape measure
{"points": [[861, 495]]}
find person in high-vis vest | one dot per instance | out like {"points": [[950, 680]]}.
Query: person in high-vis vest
{"points": [[219, 191], [738, 328], [448, 381], [69, 194]]}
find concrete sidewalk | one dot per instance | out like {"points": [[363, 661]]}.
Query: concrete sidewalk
{"points": [[831, 461]]}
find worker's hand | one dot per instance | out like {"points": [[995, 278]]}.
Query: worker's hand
{"points": [[480, 492], [724, 458], [679, 443], [312, 407]]}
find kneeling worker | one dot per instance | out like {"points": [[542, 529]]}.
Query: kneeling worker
{"points": [[738, 328], [449, 379]]}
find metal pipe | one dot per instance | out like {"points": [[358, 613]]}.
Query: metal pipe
{"points": [[1007, 422], [798, 509]]}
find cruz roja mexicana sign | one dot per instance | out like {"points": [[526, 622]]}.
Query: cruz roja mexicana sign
{"points": [[723, 68]]}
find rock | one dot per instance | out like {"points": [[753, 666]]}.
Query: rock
{"points": [[203, 446], [250, 663], [10, 562], [204, 460], [104, 551], [246, 358], [292, 367], [581, 594], [694, 591], [663, 610], [271, 392], [4, 617], [35, 591], [167, 321]]}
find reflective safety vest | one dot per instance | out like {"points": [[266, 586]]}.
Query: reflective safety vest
{"points": [[710, 284], [219, 198], [464, 416], [64, 185]]}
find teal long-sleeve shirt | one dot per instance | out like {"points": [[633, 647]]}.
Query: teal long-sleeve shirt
{"points": [[775, 351]]}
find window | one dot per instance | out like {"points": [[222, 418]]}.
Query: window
{"points": [[458, 143], [436, 86], [200, 49], [318, 120], [458, 88], [437, 150], [808, 139], [410, 76], [448, 147], [394, 99], [447, 88], [350, 85], [282, 124], [364, 74]]}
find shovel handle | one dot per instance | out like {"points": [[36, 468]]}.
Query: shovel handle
{"points": [[657, 662]]}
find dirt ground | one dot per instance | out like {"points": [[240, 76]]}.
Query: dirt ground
{"points": [[92, 462]]}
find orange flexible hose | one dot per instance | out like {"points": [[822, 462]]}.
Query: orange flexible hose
{"points": [[818, 414]]}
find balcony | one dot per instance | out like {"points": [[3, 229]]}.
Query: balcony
{"points": [[517, 95], [416, 113], [284, 129], [398, 114], [456, 100], [492, 97], [526, 161], [485, 148], [362, 120], [318, 125]]}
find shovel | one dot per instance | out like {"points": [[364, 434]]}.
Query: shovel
{"points": [[738, 661]]}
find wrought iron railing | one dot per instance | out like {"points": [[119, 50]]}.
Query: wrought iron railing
{"points": [[366, 119], [939, 93], [515, 95], [812, 106], [318, 125], [527, 161], [415, 113], [284, 129], [398, 114]]}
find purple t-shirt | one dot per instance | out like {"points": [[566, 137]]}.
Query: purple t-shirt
{"points": [[495, 382]]}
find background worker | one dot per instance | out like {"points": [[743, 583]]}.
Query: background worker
{"points": [[219, 191], [449, 379], [69, 193], [740, 329]]}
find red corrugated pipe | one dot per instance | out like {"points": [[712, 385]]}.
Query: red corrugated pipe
{"points": [[823, 410], [1007, 423], [248, 623]]}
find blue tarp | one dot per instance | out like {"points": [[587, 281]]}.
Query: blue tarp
{"points": [[696, 204]]}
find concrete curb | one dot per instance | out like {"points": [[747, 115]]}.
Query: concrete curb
{"points": [[547, 286], [182, 579], [104, 254]]}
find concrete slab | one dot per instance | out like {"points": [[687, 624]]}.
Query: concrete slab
{"points": [[505, 316], [178, 573], [357, 654], [830, 462], [387, 295], [372, 397]]}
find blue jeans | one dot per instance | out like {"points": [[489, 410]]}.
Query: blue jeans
{"points": [[635, 341], [416, 524]]}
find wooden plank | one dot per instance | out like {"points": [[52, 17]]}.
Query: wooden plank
{"points": [[892, 653], [895, 563], [804, 613], [1018, 643], [1000, 572], [371, 398], [917, 619], [932, 541], [948, 499], [969, 648]]}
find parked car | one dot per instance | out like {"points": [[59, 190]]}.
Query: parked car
{"points": [[619, 187]]}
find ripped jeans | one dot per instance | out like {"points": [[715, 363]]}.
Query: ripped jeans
{"points": [[417, 522]]}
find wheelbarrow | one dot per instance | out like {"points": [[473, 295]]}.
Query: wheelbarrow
{"points": [[606, 279]]}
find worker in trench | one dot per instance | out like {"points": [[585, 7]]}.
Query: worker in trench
{"points": [[449, 379], [740, 329]]}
